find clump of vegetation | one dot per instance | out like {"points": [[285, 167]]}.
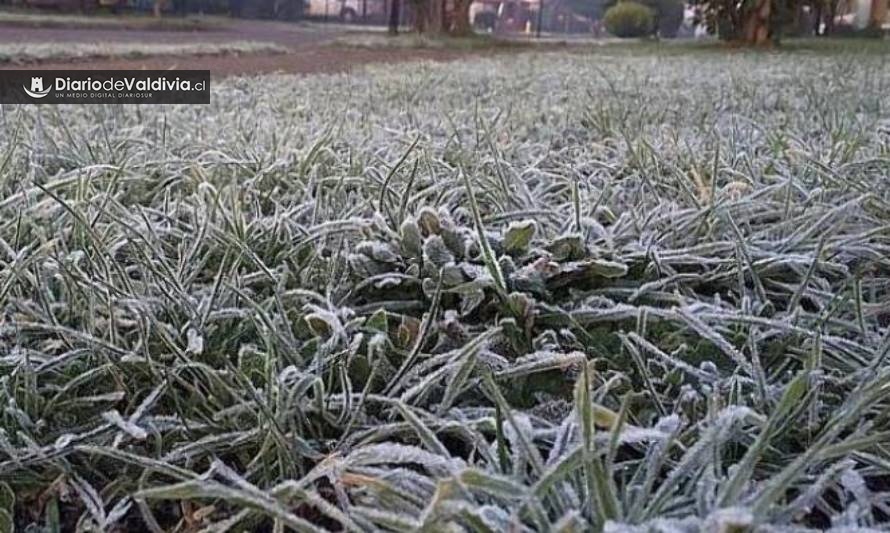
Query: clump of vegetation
{"points": [[765, 22], [667, 15], [629, 19], [631, 294], [30, 19], [415, 41], [23, 53]]}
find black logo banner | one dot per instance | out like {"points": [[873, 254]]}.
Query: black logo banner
{"points": [[104, 87]]}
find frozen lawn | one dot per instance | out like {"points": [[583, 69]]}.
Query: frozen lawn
{"points": [[546, 292], [21, 53]]}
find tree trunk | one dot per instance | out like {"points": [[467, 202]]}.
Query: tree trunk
{"points": [[436, 23], [394, 14], [829, 19], [460, 18], [421, 14], [441, 16], [428, 16], [878, 13], [157, 8], [817, 18], [757, 28]]}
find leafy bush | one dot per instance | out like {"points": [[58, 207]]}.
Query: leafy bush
{"points": [[629, 19], [668, 14]]}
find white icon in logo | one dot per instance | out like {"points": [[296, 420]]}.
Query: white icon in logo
{"points": [[36, 90]]}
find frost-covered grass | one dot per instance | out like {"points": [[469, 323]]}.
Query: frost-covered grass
{"points": [[41, 19], [543, 293], [411, 40], [20, 53]]}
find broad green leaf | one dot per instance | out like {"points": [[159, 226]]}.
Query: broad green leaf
{"points": [[518, 236]]}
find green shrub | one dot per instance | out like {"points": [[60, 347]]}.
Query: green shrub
{"points": [[629, 19], [667, 15]]}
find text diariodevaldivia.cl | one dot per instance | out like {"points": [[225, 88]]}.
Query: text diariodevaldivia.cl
{"points": [[129, 85]]}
